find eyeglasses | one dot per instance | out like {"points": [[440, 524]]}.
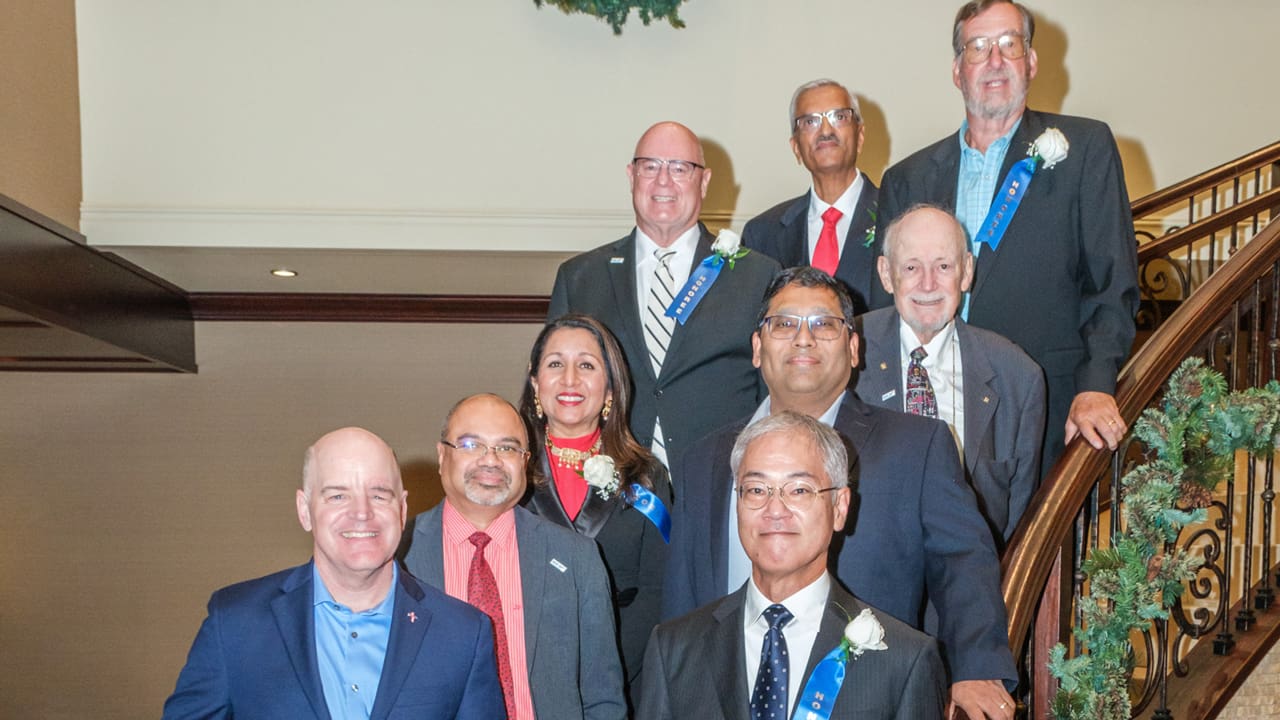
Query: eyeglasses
{"points": [[648, 168], [1012, 46], [838, 117], [795, 494], [821, 327], [479, 449]]}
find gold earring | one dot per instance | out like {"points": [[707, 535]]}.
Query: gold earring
{"points": [[608, 407], [537, 407]]}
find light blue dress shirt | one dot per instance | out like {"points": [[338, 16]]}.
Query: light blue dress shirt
{"points": [[976, 186], [350, 649]]}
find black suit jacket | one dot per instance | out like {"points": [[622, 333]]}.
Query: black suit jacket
{"points": [[917, 529], [696, 667], [707, 378], [634, 554], [782, 233], [1063, 284], [1003, 410]]}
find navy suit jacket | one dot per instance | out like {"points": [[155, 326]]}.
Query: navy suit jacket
{"points": [[782, 233], [696, 668], [1063, 284], [707, 378], [1003, 410], [255, 656], [916, 530], [570, 647]]}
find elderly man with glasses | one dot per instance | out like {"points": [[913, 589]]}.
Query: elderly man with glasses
{"points": [[681, 315], [1053, 235], [915, 532], [831, 227]]}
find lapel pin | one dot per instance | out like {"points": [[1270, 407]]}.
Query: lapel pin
{"points": [[986, 399], [413, 617], [884, 366], [888, 395], [558, 565], [616, 261]]}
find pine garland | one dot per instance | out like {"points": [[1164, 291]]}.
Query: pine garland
{"points": [[615, 12], [1193, 440]]}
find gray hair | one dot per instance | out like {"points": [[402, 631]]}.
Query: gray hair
{"points": [[814, 85], [974, 8], [835, 458], [891, 232]]}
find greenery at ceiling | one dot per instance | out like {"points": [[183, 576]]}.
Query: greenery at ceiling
{"points": [[615, 12], [1192, 442]]}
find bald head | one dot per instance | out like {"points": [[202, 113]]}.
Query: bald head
{"points": [[928, 268], [349, 443], [667, 204]]}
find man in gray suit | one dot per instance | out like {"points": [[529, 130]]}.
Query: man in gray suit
{"points": [[543, 586], [987, 389], [768, 647]]}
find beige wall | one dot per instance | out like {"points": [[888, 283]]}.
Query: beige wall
{"points": [[40, 113], [128, 499]]}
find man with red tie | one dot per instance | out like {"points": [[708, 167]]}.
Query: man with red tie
{"points": [[831, 227]]}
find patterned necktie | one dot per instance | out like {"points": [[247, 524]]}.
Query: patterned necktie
{"points": [[482, 592], [769, 698], [657, 326], [920, 397], [826, 256]]}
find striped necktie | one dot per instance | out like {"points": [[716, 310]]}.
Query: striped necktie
{"points": [[657, 326]]}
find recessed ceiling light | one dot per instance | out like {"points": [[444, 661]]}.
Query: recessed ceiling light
{"points": [[284, 273]]}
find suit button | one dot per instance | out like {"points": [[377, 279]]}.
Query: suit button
{"points": [[657, 393]]}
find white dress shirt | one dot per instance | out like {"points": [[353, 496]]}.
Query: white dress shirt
{"points": [[846, 204], [946, 375], [806, 607]]}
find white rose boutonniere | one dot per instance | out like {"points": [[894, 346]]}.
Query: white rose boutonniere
{"points": [[728, 246], [863, 633], [601, 474], [1050, 148]]}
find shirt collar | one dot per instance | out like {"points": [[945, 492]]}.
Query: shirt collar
{"points": [[320, 594], [805, 602], [827, 418], [684, 245], [846, 203], [458, 530], [907, 337], [1001, 145]]}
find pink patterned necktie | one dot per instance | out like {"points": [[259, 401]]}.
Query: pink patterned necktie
{"points": [[920, 397], [482, 592], [826, 256]]}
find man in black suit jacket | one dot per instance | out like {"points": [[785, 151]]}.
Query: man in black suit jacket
{"points": [[917, 531], [706, 377], [1063, 282], [826, 137], [723, 661], [987, 389]]}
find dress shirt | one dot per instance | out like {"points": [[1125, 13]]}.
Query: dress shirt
{"points": [[503, 556], [350, 648], [806, 606], [685, 246], [976, 187], [945, 366], [846, 204], [739, 565]]}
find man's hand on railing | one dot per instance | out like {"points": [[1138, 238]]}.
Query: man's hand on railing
{"points": [[1094, 415], [980, 700]]}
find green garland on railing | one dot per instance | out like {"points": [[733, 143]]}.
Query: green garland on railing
{"points": [[615, 12], [1193, 439]]}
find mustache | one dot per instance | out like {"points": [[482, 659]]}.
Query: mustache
{"points": [[471, 474]]}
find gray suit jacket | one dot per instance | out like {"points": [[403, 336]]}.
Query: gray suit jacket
{"points": [[1004, 410], [570, 645], [695, 666]]}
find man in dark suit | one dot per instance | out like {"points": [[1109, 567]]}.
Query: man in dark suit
{"points": [[832, 226], [753, 654], [347, 635], [1062, 281], [544, 585], [917, 531], [983, 386], [692, 376]]}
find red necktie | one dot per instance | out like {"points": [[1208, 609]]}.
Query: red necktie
{"points": [[482, 592], [827, 255]]}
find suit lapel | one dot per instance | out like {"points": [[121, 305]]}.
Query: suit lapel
{"points": [[794, 249], [880, 383], [533, 570], [431, 525], [722, 486], [980, 399], [840, 609], [622, 280], [857, 260], [294, 610], [409, 622], [729, 678], [593, 515], [675, 360], [1030, 128]]}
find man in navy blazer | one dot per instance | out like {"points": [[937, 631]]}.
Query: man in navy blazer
{"points": [[917, 532], [826, 137], [987, 389], [347, 635], [1062, 282]]}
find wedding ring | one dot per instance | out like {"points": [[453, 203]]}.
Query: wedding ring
{"points": [[1004, 705], [1112, 423]]}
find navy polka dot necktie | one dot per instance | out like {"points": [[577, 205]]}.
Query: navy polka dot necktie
{"points": [[769, 698]]}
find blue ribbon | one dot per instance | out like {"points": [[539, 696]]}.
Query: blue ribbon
{"points": [[819, 694], [1006, 202], [703, 277], [646, 503]]}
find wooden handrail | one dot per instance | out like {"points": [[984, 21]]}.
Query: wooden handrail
{"points": [[1223, 220], [1205, 180], [1043, 530]]}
